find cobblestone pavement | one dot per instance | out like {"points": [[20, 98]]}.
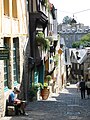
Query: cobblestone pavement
{"points": [[66, 106]]}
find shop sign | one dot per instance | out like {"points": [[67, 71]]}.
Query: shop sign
{"points": [[60, 51], [4, 54]]}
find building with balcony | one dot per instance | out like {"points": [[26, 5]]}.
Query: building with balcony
{"points": [[43, 20]]}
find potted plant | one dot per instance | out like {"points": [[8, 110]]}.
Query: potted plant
{"points": [[45, 91], [33, 94], [33, 91]]}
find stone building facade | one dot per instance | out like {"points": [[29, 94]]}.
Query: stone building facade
{"points": [[80, 64], [71, 33], [13, 46]]}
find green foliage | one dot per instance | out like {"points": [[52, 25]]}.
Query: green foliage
{"points": [[32, 93], [86, 38], [56, 59], [67, 20], [42, 41], [76, 44], [85, 42], [47, 44], [45, 85], [37, 86], [40, 38], [48, 77]]}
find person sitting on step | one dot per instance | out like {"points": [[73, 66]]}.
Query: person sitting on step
{"points": [[19, 104]]}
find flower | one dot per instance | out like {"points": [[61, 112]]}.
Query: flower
{"points": [[45, 85]]}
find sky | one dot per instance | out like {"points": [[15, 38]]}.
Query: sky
{"points": [[79, 8]]}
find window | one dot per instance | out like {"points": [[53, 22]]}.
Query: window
{"points": [[6, 7], [14, 8], [5, 73], [6, 65], [15, 60]]}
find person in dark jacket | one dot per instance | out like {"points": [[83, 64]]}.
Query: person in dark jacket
{"points": [[82, 88]]}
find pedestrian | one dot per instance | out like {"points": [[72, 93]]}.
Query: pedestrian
{"points": [[77, 84], [82, 88], [88, 87], [19, 104]]}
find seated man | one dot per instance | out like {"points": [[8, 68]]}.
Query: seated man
{"points": [[19, 104]]}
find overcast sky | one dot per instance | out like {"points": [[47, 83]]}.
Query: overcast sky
{"points": [[68, 7]]}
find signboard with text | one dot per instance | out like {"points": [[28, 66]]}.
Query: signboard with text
{"points": [[4, 54]]}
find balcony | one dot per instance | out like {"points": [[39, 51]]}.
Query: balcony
{"points": [[38, 18]]}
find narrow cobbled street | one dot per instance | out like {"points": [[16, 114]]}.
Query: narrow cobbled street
{"points": [[66, 106]]}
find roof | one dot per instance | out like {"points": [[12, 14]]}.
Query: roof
{"points": [[80, 58]]}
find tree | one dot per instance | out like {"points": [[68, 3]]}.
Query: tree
{"points": [[86, 38], [76, 44], [67, 20], [85, 41]]}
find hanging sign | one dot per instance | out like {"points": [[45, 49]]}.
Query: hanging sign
{"points": [[60, 51], [4, 54]]}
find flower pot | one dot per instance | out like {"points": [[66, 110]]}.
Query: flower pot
{"points": [[45, 93]]}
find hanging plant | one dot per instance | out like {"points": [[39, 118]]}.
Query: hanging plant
{"points": [[39, 38], [42, 41]]}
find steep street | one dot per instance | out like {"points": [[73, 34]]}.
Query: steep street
{"points": [[68, 105]]}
